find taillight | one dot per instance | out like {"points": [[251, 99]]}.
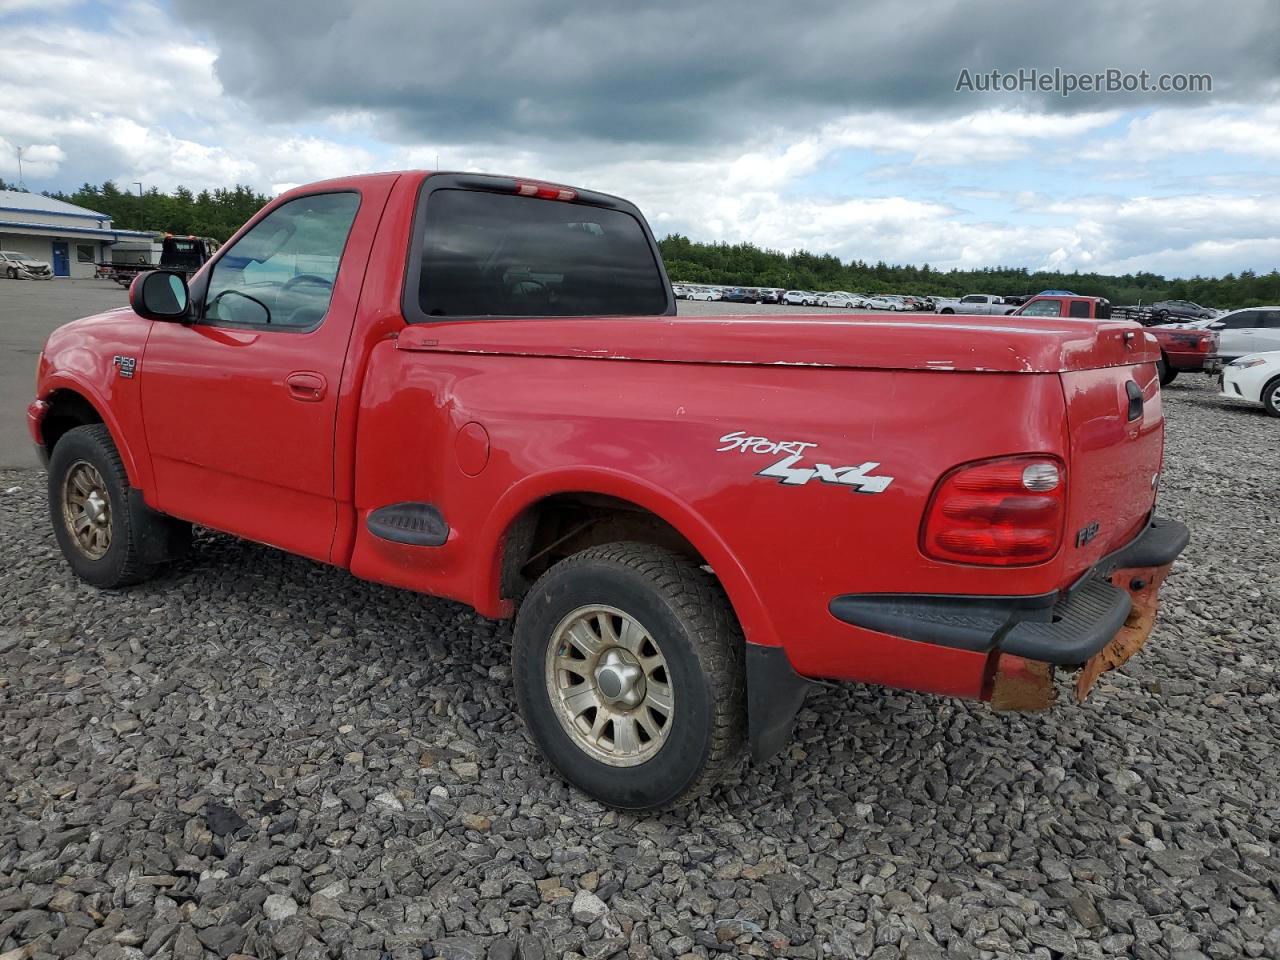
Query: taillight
{"points": [[1006, 512], [544, 191]]}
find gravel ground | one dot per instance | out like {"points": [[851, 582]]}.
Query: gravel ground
{"points": [[259, 754]]}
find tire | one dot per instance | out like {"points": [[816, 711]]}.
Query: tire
{"points": [[685, 621], [1271, 397], [11, 273], [1166, 373], [946, 310], [114, 556]]}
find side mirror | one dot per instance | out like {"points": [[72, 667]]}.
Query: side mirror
{"points": [[159, 295], [1217, 326]]}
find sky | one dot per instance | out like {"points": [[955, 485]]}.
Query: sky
{"points": [[834, 126]]}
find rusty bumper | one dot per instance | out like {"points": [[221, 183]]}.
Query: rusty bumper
{"points": [[1020, 683]]}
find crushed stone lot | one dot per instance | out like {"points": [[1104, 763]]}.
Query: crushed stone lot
{"points": [[257, 754]]}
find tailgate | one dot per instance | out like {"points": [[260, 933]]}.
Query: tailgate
{"points": [[1116, 443]]}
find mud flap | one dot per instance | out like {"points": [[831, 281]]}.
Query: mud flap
{"points": [[774, 695], [1143, 584]]}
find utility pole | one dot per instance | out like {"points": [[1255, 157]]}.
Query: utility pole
{"points": [[142, 224], [21, 185]]}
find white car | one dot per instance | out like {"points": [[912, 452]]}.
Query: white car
{"points": [[800, 298], [837, 298], [703, 293], [1255, 377], [881, 303], [18, 266]]}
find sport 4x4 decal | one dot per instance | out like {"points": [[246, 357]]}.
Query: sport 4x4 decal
{"points": [[788, 469]]}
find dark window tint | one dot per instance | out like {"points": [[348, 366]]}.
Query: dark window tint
{"points": [[492, 254], [1271, 319], [281, 273], [1078, 308]]}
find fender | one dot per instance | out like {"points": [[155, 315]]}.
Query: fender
{"points": [[59, 380], [750, 610]]}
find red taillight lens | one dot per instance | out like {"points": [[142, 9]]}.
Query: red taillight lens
{"points": [[1006, 512], [544, 191]]}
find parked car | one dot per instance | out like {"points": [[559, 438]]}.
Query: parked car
{"points": [[1255, 377], [703, 293], [899, 304], [838, 299], [1181, 351], [771, 295], [975, 304], [740, 295], [1242, 332], [800, 298], [1165, 310], [435, 415], [880, 303], [19, 266], [680, 291]]}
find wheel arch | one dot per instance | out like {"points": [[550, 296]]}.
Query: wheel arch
{"points": [[511, 536], [70, 404]]}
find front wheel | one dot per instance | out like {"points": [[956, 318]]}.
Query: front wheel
{"points": [[1271, 397], [11, 273], [629, 674], [1166, 373], [101, 530]]}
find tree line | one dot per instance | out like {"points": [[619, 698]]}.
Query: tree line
{"points": [[746, 265], [219, 213], [209, 213]]}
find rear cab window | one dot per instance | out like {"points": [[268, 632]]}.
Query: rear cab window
{"points": [[482, 253]]}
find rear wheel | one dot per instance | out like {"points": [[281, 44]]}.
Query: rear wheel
{"points": [[629, 674], [1166, 373], [1271, 397]]}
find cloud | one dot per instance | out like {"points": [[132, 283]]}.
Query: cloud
{"points": [[717, 71], [832, 129]]}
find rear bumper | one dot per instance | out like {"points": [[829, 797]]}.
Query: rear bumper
{"points": [[1063, 628]]}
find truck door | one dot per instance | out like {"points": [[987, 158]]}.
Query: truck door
{"points": [[240, 406]]}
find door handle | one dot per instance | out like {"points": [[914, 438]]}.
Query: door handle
{"points": [[306, 386]]}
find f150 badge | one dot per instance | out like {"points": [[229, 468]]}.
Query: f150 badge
{"points": [[789, 470], [126, 365]]}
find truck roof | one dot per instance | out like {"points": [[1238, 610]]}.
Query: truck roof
{"points": [[908, 342]]}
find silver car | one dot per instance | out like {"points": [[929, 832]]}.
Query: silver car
{"points": [[1241, 332], [19, 266]]}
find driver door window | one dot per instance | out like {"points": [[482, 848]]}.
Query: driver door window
{"points": [[281, 273], [1043, 308]]}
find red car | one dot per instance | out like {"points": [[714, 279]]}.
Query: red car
{"points": [[476, 387], [1180, 350]]}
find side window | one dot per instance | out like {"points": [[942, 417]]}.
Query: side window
{"points": [[1043, 308], [281, 273], [973, 299], [1079, 308], [1271, 319], [1244, 320]]}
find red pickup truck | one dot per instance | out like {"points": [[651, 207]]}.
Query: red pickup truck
{"points": [[1181, 351], [476, 387]]}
